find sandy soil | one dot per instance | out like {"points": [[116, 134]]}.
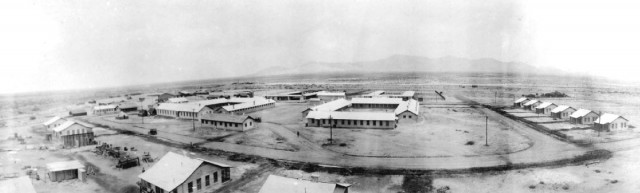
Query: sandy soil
{"points": [[260, 137], [439, 132]]}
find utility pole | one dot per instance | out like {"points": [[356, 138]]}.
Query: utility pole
{"points": [[486, 131], [599, 122], [331, 129]]}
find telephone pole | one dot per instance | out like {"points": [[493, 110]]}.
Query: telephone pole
{"points": [[330, 129], [194, 119], [486, 131]]}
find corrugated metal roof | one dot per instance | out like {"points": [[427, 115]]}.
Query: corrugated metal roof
{"points": [[332, 106], [521, 100], [544, 105], [608, 118], [409, 105], [50, 121], [561, 108], [580, 113], [17, 185], [183, 107], [408, 93], [376, 101], [65, 165], [226, 117], [351, 115], [531, 102], [172, 170], [279, 184]]}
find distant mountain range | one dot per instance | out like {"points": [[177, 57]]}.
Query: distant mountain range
{"points": [[406, 63]]}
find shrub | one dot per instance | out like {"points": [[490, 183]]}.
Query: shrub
{"points": [[470, 143]]}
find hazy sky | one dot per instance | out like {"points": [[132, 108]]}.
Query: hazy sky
{"points": [[67, 44]]}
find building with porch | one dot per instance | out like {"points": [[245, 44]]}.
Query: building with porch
{"points": [[73, 134], [105, 109]]}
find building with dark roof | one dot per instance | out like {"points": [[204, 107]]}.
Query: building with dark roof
{"points": [[228, 121]]}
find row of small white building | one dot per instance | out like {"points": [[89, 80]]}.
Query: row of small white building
{"points": [[605, 122]]}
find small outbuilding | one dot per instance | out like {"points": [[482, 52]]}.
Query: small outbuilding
{"points": [[545, 108], [531, 105], [175, 173], [562, 112], [78, 112], [122, 115], [105, 109], [279, 184], [583, 116], [66, 170], [611, 122], [17, 185], [127, 107], [520, 102]]}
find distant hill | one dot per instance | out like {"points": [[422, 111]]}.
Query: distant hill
{"points": [[405, 63]]}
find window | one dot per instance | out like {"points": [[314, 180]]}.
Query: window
{"points": [[199, 183], [348, 122], [409, 116], [387, 123], [374, 123], [206, 180], [323, 121], [250, 123], [190, 187], [215, 177], [404, 116], [342, 122], [361, 122], [245, 124], [159, 190], [367, 122], [313, 120]]}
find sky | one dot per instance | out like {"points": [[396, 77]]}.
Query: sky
{"points": [[76, 44]]}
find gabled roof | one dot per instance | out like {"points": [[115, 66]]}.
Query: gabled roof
{"points": [[172, 170], [531, 102], [64, 126], [581, 112], [248, 104], [226, 117], [521, 100], [561, 108], [279, 184], [183, 107], [352, 115], [331, 106], [64, 165], [408, 93], [608, 118], [50, 121], [544, 105], [380, 100], [17, 185], [101, 107], [409, 105]]}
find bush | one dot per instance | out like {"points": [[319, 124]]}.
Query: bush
{"points": [[470, 143], [32, 118], [417, 184]]}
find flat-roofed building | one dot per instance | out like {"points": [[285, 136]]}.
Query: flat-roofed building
{"points": [[562, 112], [175, 173], [66, 170], [611, 122], [228, 121], [583, 116], [279, 184]]}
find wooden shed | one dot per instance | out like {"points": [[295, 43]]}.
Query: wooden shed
{"points": [[66, 170]]}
